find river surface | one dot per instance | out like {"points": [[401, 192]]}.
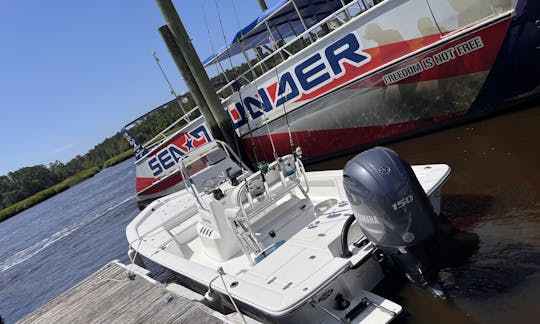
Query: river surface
{"points": [[492, 194]]}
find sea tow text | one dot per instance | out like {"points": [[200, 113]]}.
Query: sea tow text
{"points": [[169, 156]]}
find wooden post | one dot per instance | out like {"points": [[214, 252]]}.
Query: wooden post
{"points": [[262, 4], [198, 72], [189, 79]]}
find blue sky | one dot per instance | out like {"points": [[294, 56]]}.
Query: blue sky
{"points": [[72, 73]]}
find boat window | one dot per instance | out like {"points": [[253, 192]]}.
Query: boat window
{"points": [[195, 167]]}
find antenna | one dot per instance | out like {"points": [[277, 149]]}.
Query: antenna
{"points": [[274, 151], [154, 54], [276, 63], [236, 86], [218, 62], [179, 100]]}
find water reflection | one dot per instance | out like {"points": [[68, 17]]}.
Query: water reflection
{"points": [[492, 196]]}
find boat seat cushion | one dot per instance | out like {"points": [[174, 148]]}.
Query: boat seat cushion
{"points": [[186, 231]]}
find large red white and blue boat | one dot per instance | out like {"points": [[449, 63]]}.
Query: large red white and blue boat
{"points": [[331, 76]]}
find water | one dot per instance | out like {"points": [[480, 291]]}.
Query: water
{"points": [[49, 248], [492, 192]]}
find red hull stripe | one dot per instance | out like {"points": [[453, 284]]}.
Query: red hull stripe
{"points": [[146, 186], [142, 183], [476, 61], [158, 187], [322, 142]]}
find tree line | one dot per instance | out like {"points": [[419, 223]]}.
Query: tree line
{"points": [[27, 181]]}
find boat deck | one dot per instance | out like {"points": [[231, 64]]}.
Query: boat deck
{"points": [[109, 296]]}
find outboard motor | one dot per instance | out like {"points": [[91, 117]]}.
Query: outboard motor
{"points": [[393, 211]]}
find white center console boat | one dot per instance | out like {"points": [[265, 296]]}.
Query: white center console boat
{"points": [[285, 245]]}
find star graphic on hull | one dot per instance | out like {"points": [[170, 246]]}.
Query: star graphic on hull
{"points": [[189, 143]]}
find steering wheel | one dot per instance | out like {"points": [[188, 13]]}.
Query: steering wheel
{"points": [[212, 183]]}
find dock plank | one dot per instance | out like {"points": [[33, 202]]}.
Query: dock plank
{"points": [[110, 296]]}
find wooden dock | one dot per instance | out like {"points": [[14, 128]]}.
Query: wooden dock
{"points": [[109, 296]]}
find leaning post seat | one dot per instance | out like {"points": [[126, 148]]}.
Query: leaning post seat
{"points": [[217, 237], [256, 198]]}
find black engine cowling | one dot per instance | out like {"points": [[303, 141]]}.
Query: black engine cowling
{"points": [[393, 210]]}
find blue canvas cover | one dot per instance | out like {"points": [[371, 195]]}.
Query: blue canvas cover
{"points": [[283, 21]]}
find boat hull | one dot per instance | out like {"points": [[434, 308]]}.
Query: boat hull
{"points": [[411, 76], [157, 173], [515, 75], [298, 280], [407, 87]]}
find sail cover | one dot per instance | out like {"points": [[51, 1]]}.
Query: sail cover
{"points": [[283, 21]]}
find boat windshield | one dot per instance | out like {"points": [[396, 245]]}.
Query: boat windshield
{"points": [[213, 160]]}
